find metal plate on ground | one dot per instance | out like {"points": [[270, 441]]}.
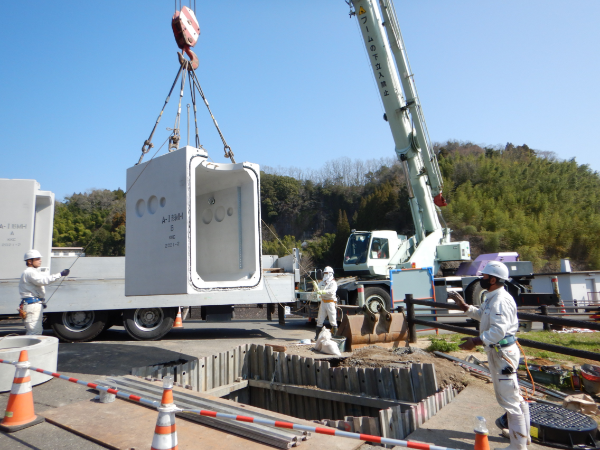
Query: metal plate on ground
{"points": [[124, 425]]}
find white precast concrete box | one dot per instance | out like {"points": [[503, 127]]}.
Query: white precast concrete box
{"points": [[26, 222], [193, 226]]}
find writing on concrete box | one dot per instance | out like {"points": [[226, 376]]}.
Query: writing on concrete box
{"points": [[26, 223]]}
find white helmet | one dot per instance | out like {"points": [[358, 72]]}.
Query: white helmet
{"points": [[32, 254], [328, 270], [496, 269]]}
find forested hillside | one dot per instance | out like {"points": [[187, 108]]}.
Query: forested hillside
{"points": [[101, 213], [500, 199]]}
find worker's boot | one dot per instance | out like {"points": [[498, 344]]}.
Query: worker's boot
{"points": [[527, 418], [318, 332], [334, 331], [517, 432]]}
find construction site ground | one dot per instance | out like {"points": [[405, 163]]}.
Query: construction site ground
{"points": [[115, 353]]}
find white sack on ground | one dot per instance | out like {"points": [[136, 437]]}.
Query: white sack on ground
{"points": [[326, 345]]}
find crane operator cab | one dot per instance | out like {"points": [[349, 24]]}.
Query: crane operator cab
{"points": [[369, 253]]}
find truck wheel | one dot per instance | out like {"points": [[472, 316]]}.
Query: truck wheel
{"points": [[148, 324], [475, 294], [78, 326], [375, 297]]}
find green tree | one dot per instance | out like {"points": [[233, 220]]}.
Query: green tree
{"points": [[375, 209], [338, 247], [95, 220], [319, 248]]}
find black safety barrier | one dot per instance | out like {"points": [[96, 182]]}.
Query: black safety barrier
{"points": [[412, 323]]}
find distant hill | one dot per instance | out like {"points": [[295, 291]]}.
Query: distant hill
{"points": [[509, 198]]}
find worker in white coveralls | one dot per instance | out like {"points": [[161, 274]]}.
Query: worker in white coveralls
{"points": [[498, 317], [31, 289], [326, 289]]}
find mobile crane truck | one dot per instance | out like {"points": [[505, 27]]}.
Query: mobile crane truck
{"points": [[370, 255]]}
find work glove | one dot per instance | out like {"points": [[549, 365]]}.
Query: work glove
{"points": [[458, 300], [470, 343], [44, 306], [65, 272], [315, 286]]}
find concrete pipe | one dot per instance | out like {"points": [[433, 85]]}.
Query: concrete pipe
{"points": [[42, 352]]}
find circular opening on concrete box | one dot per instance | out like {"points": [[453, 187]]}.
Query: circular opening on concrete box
{"points": [[207, 216], [163, 202], [152, 204], [140, 206], [220, 214]]}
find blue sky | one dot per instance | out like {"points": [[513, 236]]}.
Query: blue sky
{"points": [[81, 83]]}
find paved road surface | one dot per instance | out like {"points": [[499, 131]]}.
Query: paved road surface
{"points": [[115, 354]]}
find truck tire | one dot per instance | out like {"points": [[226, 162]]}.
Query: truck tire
{"points": [[375, 296], [78, 326], [474, 294], [148, 324]]}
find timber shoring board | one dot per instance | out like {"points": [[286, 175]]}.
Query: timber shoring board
{"points": [[322, 369], [286, 398], [269, 373], [220, 373], [351, 408], [312, 381], [353, 387], [338, 384], [418, 381], [431, 385]]}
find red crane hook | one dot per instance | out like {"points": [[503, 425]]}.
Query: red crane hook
{"points": [[187, 31]]}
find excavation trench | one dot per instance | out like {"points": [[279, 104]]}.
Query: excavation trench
{"points": [[375, 391]]}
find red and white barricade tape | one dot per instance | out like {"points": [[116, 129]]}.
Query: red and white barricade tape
{"points": [[320, 430], [118, 393], [273, 423]]}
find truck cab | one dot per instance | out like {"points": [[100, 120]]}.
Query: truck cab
{"points": [[368, 253]]}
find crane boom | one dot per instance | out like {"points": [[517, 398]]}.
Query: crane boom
{"points": [[403, 111], [412, 97], [374, 253]]}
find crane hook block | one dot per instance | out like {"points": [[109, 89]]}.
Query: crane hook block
{"points": [[185, 28], [439, 200], [193, 63]]}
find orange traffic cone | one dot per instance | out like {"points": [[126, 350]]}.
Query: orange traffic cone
{"points": [[165, 434], [178, 321], [481, 442], [481, 434], [19, 410]]}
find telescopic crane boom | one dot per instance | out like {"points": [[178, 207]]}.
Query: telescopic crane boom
{"points": [[403, 112]]}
